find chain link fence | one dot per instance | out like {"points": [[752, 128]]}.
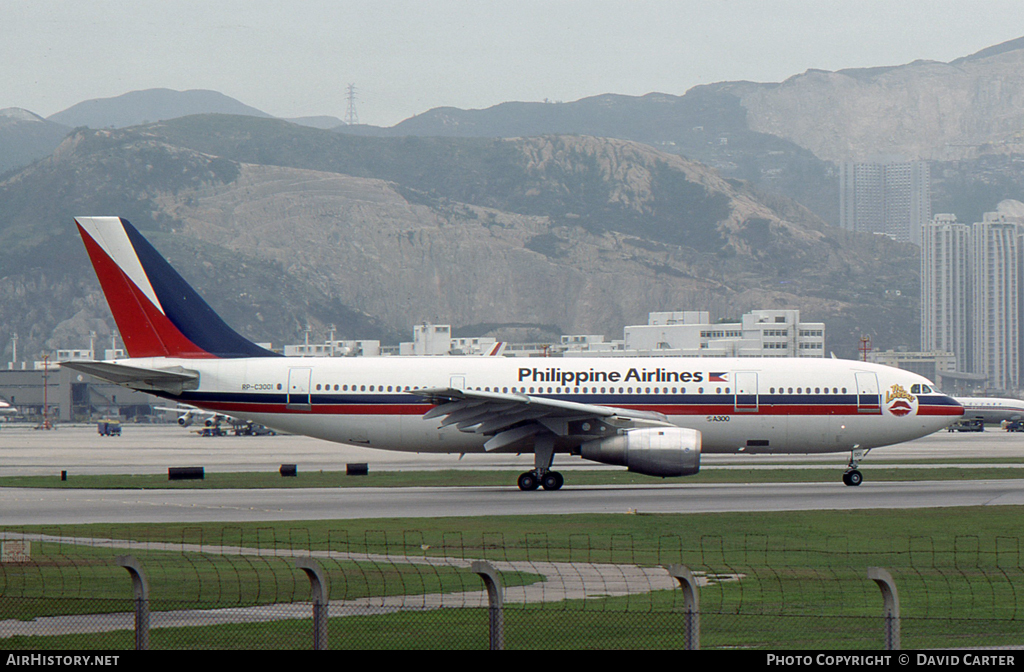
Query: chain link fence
{"points": [[248, 589]]}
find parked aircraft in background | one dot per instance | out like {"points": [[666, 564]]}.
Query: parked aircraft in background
{"points": [[189, 414], [654, 416], [7, 408], [991, 409]]}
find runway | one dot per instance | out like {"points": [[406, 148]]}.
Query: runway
{"points": [[153, 449], [51, 507]]}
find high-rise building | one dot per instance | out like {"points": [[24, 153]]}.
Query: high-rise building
{"points": [[995, 296], [945, 289], [972, 295], [891, 197]]}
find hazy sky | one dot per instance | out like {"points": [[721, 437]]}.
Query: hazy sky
{"points": [[294, 58]]}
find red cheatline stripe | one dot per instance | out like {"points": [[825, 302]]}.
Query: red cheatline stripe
{"points": [[420, 409]]}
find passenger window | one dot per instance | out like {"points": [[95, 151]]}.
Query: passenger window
{"points": [[799, 390], [817, 390]]}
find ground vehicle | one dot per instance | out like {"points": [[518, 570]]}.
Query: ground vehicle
{"points": [[109, 427], [972, 425]]}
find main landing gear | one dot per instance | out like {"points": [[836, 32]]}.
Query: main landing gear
{"points": [[853, 475], [541, 475], [530, 480]]}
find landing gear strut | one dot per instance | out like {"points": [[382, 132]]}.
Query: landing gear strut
{"points": [[541, 475], [853, 475]]}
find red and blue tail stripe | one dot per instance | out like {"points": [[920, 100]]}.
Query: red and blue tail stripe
{"points": [[156, 311]]}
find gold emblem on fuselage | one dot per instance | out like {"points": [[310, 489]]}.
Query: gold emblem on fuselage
{"points": [[899, 401]]}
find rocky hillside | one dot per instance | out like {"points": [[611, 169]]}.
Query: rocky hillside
{"points": [[281, 226], [923, 110]]}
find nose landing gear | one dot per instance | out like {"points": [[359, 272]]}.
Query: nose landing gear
{"points": [[853, 475]]}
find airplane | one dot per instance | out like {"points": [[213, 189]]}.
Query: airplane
{"points": [[991, 409], [7, 408], [187, 414], [654, 416]]}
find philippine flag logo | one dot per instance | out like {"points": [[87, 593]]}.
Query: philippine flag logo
{"points": [[718, 377]]}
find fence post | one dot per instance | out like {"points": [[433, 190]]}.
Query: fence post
{"points": [[495, 600], [140, 588], [320, 593], [891, 606], [691, 605]]}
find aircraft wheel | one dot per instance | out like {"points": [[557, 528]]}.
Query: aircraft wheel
{"points": [[853, 477], [552, 480], [528, 481]]}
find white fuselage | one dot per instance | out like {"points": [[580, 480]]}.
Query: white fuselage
{"points": [[991, 409], [755, 405]]}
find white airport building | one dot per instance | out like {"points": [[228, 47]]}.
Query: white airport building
{"points": [[690, 333]]}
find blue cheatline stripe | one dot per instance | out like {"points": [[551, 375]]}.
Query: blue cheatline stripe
{"points": [[186, 309], [370, 398]]}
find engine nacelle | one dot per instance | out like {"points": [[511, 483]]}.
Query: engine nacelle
{"points": [[185, 420], [655, 451]]}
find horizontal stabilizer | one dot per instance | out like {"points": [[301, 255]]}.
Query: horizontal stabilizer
{"points": [[173, 380]]}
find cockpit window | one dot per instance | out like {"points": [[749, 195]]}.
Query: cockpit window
{"points": [[926, 389], [915, 389]]}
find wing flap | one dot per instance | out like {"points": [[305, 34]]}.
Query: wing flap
{"points": [[512, 418]]}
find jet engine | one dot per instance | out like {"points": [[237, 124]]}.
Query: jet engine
{"points": [[185, 420], [656, 451]]}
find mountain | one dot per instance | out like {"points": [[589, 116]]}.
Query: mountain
{"points": [[281, 227], [922, 110], [26, 137], [322, 122], [704, 125], [141, 107]]}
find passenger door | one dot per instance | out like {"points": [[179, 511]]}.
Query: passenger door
{"points": [[298, 389], [746, 392], [869, 400]]}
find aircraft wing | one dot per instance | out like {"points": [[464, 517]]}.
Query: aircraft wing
{"points": [[173, 380], [511, 418]]}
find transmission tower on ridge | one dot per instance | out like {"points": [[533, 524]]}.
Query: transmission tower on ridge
{"points": [[351, 117]]}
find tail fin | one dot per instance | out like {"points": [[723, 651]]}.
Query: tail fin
{"points": [[157, 312]]}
